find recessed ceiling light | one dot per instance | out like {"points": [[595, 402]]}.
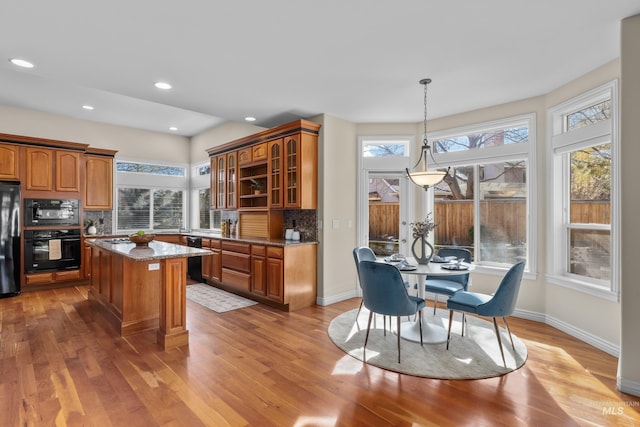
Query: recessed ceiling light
{"points": [[88, 107], [21, 63], [173, 128], [250, 119], [162, 85]]}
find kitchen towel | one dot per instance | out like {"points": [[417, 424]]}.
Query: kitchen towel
{"points": [[55, 249]]}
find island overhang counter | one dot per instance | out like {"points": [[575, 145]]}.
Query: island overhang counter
{"points": [[139, 288]]}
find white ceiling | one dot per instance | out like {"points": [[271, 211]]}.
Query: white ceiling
{"points": [[278, 60]]}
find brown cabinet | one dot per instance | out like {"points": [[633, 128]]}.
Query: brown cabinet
{"points": [[9, 162], [275, 273], [259, 270], [39, 169], [275, 169], [232, 180], [40, 164], [51, 278], [282, 276], [86, 260], [219, 182], [300, 177], [98, 194], [275, 174], [211, 265], [67, 171], [236, 265]]}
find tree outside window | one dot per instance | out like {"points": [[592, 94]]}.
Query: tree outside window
{"points": [[493, 194]]}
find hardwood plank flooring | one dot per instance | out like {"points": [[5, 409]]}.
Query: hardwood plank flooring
{"points": [[62, 364]]}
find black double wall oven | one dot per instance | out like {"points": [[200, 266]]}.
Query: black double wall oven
{"points": [[54, 247]]}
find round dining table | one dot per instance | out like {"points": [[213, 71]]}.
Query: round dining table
{"points": [[432, 332]]}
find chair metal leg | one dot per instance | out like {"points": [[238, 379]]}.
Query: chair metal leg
{"points": [[366, 338], [449, 332], [359, 309], [435, 303], [398, 317], [495, 325], [504, 319], [464, 321], [384, 325], [420, 323]]}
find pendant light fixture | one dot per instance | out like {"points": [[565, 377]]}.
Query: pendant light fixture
{"points": [[425, 178]]}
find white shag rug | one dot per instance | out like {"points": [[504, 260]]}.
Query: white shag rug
{"points": [[216, 299], [474, 356]]}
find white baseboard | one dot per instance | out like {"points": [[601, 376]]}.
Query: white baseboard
{"points": [[337, 298], [628, 386], [565, 327]]}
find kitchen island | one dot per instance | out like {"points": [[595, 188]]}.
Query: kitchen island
{"points": [[138, 288]]}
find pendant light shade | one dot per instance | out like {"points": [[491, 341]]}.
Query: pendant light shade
{"points": [[425, 178]]}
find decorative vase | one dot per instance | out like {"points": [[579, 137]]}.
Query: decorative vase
{"points": [[422, 250], [92, 230]]}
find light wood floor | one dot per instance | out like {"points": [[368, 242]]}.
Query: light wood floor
{"points": [[61, 364]]}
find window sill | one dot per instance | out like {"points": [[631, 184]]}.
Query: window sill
{"points": [[583, 287]]}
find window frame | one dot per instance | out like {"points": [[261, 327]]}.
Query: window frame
{"points": [[561, 143], [492, 155], [153, 182], [199, 182]]}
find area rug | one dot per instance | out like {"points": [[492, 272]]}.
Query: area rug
{"points": [[216, 299], [474, 356]]}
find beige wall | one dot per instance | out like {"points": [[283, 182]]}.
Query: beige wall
{"points": [[130, 142], [337, 179], [219, 135], [629, 368]]}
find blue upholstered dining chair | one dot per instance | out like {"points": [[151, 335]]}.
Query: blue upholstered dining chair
{"points": [[384, 292], [500, 304], [362, 253], [450, 284]]}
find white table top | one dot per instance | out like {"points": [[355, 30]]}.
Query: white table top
{"points": [[434, 268]]}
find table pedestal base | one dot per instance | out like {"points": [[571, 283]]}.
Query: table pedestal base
{"points": [[431, 334]]}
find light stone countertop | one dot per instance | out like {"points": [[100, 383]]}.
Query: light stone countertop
{"points": [[155, 250]]}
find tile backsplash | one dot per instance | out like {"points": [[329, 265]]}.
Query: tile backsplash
{"points": [[303, 220], [103, 219]]}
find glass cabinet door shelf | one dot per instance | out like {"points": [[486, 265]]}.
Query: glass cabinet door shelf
{"points": [[231, 180], [291, 177], [275, 173]]}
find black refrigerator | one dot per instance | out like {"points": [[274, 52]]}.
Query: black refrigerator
{"points": [[9, 239]]}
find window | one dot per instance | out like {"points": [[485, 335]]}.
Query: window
{"points": [[484, 203], [382, 147], [202, 217], [150, 196], [583, 239]]}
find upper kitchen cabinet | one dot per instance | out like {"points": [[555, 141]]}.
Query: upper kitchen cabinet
{"points": [[301, 172], [290, 153], [232, 180], [39, 169], [67, 171], [52, 170], [9, 162], [98, 192]]}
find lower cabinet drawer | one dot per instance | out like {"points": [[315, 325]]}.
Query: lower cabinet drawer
{"points": [[236, 261], [38, 278], [236, 278], [68, 275]]}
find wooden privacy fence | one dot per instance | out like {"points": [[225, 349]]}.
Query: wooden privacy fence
{"points": [[504, 219]]}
